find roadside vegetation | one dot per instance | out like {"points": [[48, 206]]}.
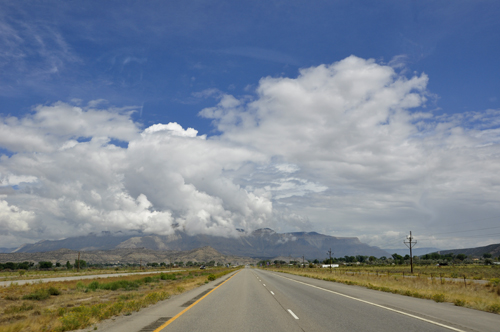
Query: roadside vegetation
{"points": [[474, 286], [70, 305], [12, 271]]}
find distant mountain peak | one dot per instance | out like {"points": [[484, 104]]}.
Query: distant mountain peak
{"points": [[264, 231], [261, 243]]}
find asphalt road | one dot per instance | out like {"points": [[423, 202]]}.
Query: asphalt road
{"points": [[257, 300]]}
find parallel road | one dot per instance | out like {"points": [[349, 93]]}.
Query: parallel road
{"points": [[257, 300], [81, 277]]}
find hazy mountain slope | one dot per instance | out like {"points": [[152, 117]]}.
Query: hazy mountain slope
{"points": [[493, 249], [88, 242], [260, 243], [124, 256]]}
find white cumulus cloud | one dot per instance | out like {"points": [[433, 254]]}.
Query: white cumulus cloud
{"points": [[346, 149]]}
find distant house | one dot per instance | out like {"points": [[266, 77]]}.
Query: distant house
{"points": [[328, 265]]}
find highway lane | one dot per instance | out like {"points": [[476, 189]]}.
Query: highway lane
{"points": [[241, 304], [258, 300], [350, 308], [247, 304]]}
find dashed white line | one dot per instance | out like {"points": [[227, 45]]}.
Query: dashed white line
{"points": [[293, 315], [373, 304], [264, 285], [272, 292]]}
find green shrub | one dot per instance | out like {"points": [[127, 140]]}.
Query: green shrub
{"points": [[459, 303], [125, 284], [61, 312], [211, 277], [495, 281], [54, 291], [418, 295], [38, 295], [494, 308], [438, 297], [168, 276], [93, 286], [74, 320]]}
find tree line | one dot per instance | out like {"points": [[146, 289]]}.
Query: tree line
{"points": [[46, 265], [427, 259]]}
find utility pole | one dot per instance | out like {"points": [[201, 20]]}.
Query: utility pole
{"points": [[303, 265], [78, 268], [330, 252], [410, 243]]}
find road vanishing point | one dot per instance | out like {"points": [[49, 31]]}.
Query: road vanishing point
{"points": [[260, 300]]}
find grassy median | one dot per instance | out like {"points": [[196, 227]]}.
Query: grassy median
{"points": [[71, 305], [435, 286]]}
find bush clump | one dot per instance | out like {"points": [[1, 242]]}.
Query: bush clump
{"points": [[38, 295], [121, 284], [438, 297], [114, 285], [54, 291], [494, 308], [167, 276], [211, 277]]}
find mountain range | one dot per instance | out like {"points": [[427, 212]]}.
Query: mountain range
{"points": [[261, 243], [493, 249], [127, 256]]}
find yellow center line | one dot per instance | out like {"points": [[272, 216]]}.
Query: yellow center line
{"points": [[192, 305]]}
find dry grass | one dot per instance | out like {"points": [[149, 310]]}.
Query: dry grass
{"points": [[83, 303], [470, 271], [60, 272], [481, 296]]}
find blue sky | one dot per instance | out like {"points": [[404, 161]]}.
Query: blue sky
{"points": [[219, 68], [157, 54]]}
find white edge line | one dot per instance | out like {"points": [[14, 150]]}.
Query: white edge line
{"points": [[374, 304], [294, 315]]}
